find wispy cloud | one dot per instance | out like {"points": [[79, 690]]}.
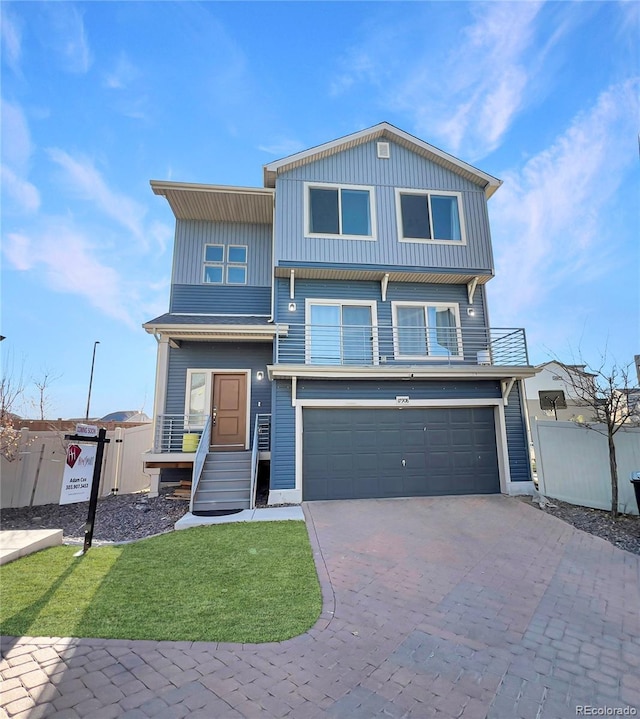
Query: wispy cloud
{"points": [[24, 194], [550, 222], [68, 262], [17, 149], [11, 35], [483, 79], [282, 147], [467, 96], [122, 75], [83, 178], [67, 36]]}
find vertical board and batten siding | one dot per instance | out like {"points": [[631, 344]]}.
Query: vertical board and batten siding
{"points": [[193, 235], [517, 440], [283, 437], [404, 169], [221, 300], [220, 355]]}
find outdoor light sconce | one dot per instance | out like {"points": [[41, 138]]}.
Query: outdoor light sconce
{"points": [[471, 312], [259, 375], [292, 307]]}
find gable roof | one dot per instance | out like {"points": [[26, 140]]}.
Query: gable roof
{"points": [[384, 131]]}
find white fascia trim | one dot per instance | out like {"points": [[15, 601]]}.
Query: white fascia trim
{"points": [[392, 404], [285, 371], [492, 183], [161, 187], [178, 329], [212, 314]]}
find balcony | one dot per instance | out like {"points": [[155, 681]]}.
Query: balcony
{"points": [[377, 346], [179, 434]]}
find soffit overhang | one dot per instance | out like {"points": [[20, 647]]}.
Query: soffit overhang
{"points": [[220, 203], [383, 131], [400, 275], [217, 333]]}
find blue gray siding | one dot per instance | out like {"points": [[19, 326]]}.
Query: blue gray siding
{"points": [[220, 300], [382, 389], [283, 437], [396, 291], [361, 166], [341, 290], [517, 437], [219, 355], [193, 235]]}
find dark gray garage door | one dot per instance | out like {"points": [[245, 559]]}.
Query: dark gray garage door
{"points": [[362, 453]]}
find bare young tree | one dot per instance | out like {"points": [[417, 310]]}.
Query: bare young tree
{"points": [[42, 383], [11, 392], [606, 391]]}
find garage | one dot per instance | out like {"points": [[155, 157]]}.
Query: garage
{"points": [[417, 452]]}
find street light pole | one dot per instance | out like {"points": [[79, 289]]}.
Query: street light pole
{"points": [[93, 361]]}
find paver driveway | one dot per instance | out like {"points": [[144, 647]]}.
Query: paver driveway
{"points": [[436, 607]]}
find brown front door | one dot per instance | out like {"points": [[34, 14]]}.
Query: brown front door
{"points": [[229, 431]]}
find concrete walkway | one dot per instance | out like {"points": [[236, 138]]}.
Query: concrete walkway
{"points": [[446, 607], [16, 543]]}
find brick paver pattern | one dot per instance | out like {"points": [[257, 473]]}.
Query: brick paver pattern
{"points": [[472, 607]]}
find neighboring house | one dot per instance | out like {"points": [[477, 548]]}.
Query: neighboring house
{"points": [[128, 415], [335, 321], [553, 378]]}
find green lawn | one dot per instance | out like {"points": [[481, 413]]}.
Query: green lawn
{"points": [[239, 582]]}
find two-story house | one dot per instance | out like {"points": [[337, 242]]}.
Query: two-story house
{"points": [[335, 321]]}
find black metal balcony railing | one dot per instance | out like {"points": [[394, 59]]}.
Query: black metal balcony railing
{"points": [[368, 346]]}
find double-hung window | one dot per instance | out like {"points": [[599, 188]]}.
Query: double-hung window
{"points": [[342, 211], [430, 216], [425, 330], [225, 264], [341, 332]]}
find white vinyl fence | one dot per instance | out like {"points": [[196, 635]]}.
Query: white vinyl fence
{"points": [[572, 463], [35, 477]]}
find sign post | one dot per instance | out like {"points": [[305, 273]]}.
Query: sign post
{"points": [[85, 433]]}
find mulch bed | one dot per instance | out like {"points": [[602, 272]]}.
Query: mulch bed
{"points": [[624, 532], [119, 518]]}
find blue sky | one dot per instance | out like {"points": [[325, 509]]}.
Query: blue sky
{"points": [[99, 98]]}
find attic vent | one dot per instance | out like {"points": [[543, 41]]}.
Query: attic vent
{"points": [[384, 151]]}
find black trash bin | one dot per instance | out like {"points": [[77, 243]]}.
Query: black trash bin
{"points": [[636, 487]]}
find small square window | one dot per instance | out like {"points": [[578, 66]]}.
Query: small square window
{"points": [[214, 253], [213, 274], [237, 254], [236, 275]]}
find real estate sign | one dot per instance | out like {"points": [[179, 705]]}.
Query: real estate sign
{"points": [[78, 473]]}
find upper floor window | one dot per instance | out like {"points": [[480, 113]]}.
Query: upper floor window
{"points": [[424, 330], [341, 332], [430, 216], [345, 211], [225, 264]]}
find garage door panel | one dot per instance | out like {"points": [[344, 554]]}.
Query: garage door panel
{"points": [[358, 453]]}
